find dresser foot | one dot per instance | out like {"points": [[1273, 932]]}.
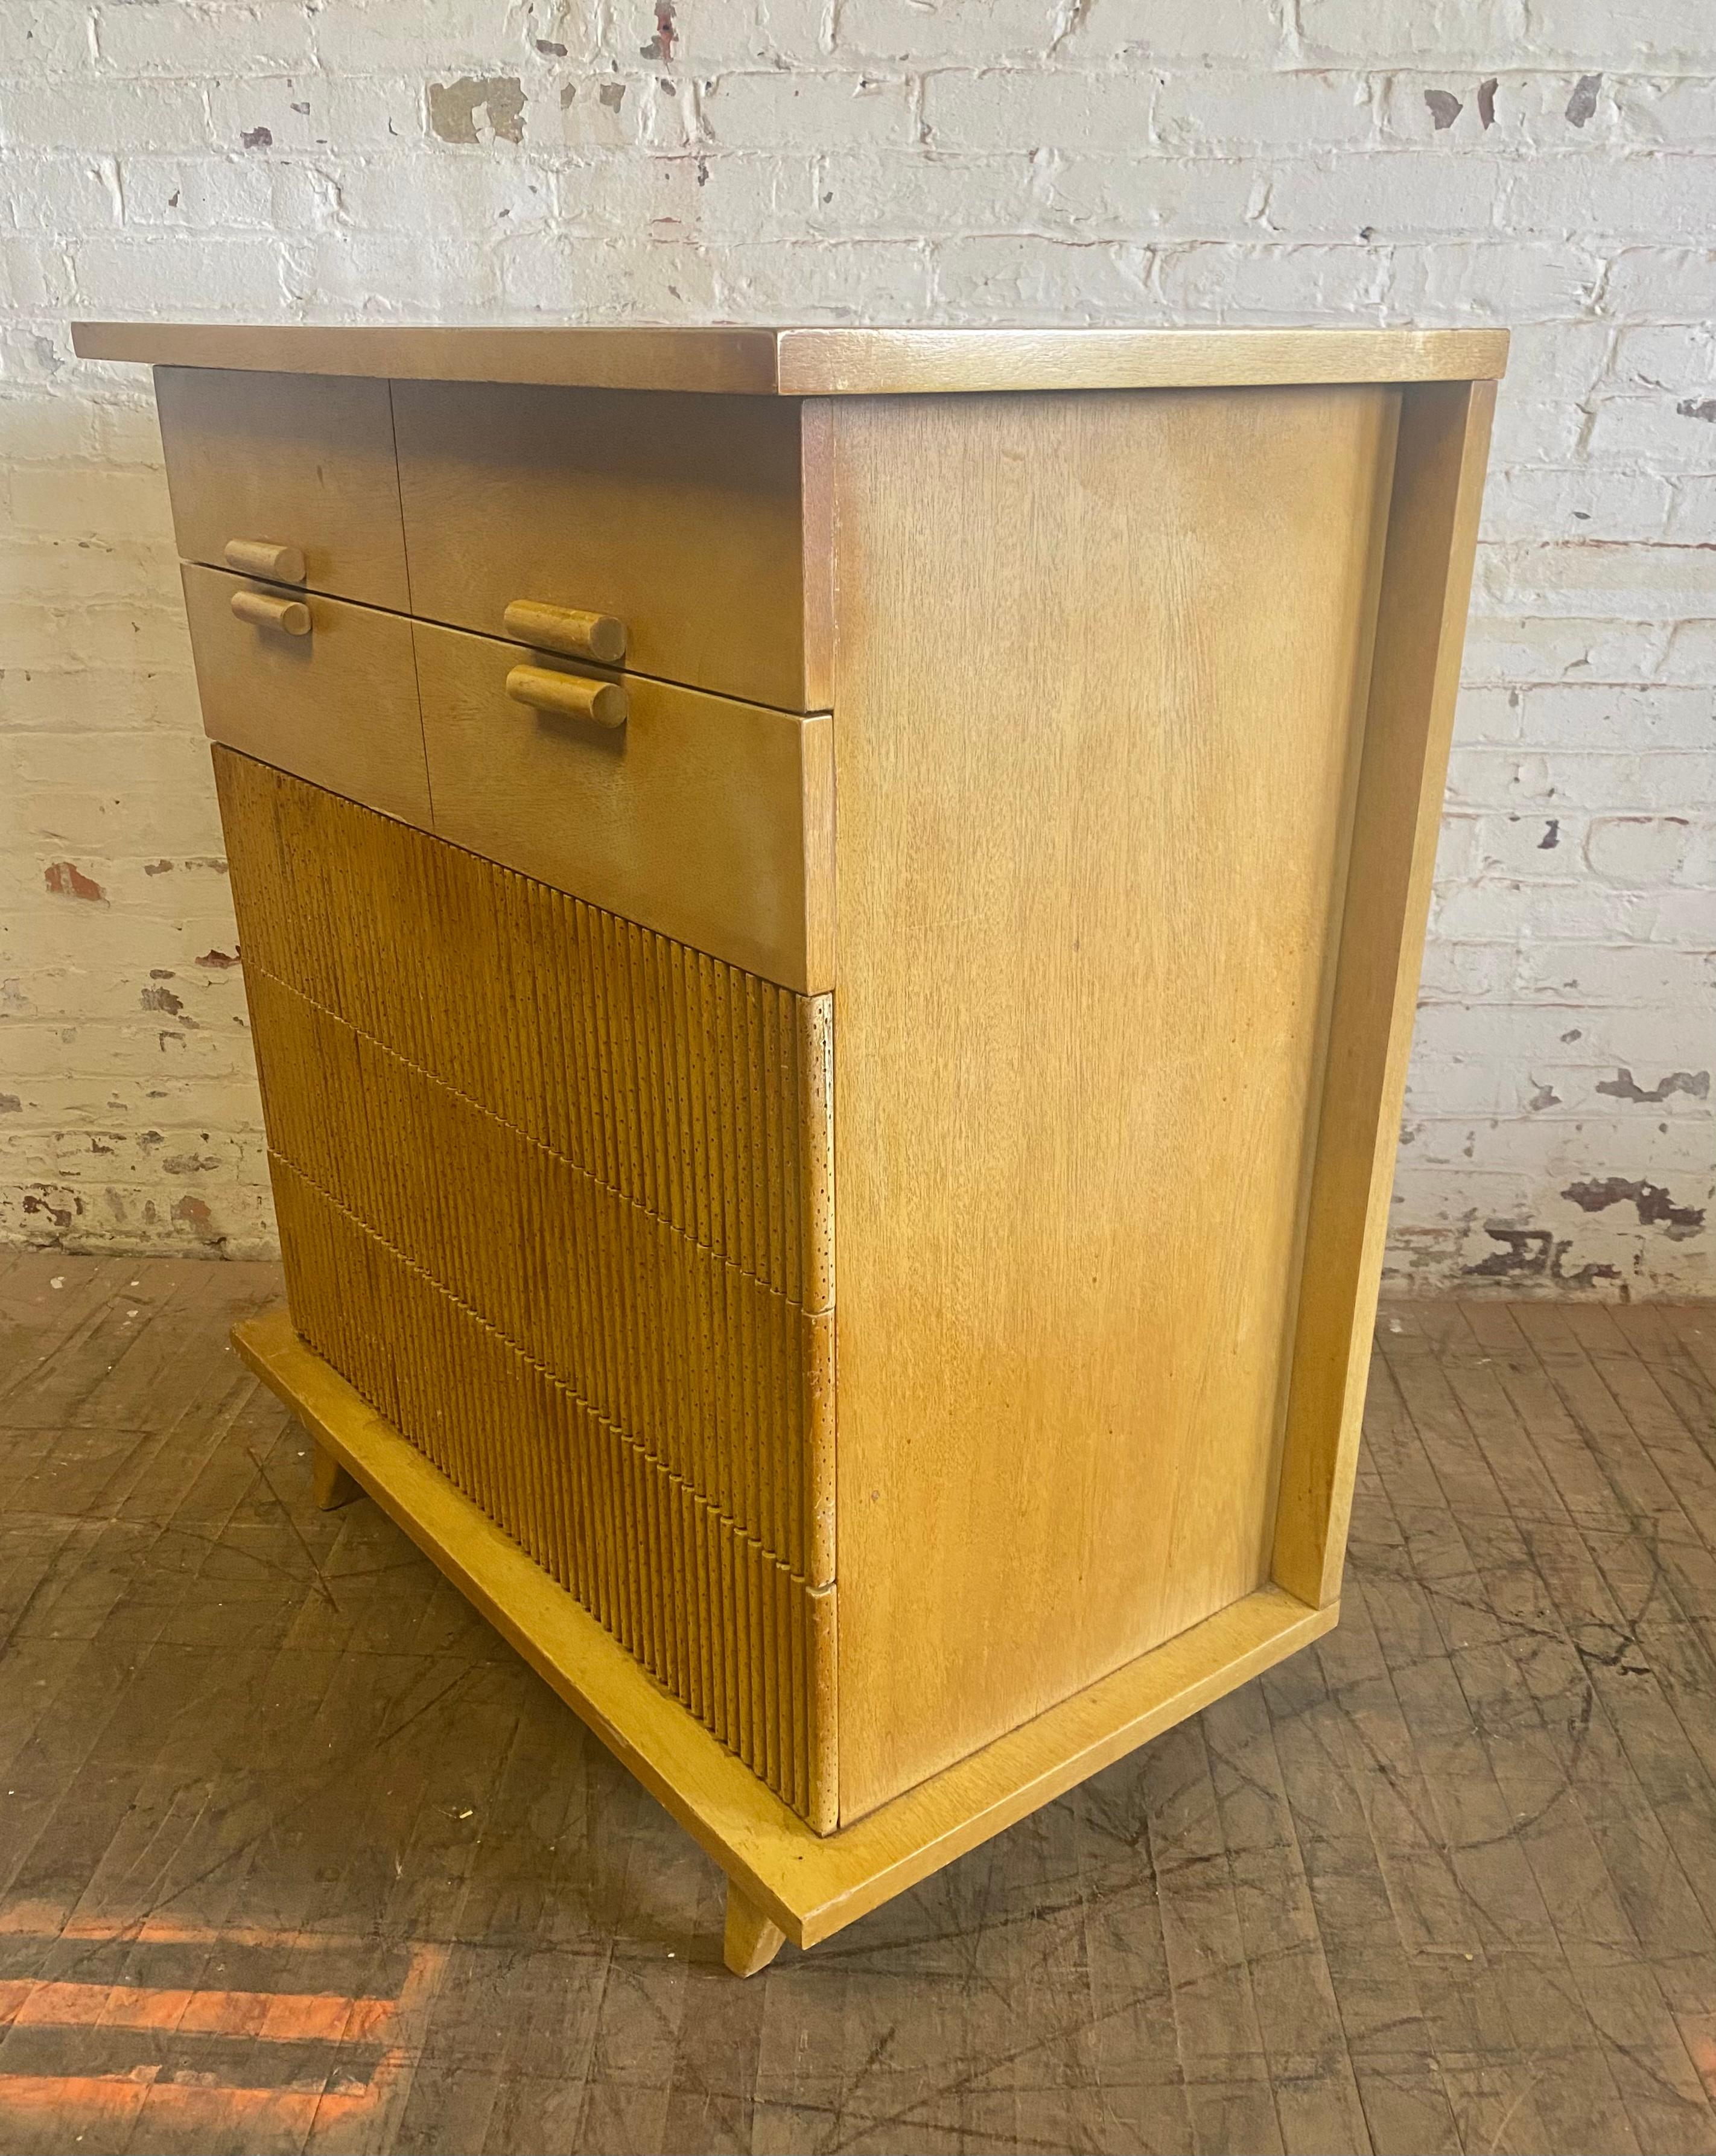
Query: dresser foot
{"points": [[750, 1940], [333, 1485]]}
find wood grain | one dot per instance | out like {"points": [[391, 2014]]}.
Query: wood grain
{"points": [[596, 637], [261, 557], [593, 1001], [749, 1941], [642, 1412], [1089, 858], [304, 462], [876, 362], [1421, 629], [268, 610], [569, 696], [814, 362], [707, 819], [679, 516], [336, 706], [811, 1886]]}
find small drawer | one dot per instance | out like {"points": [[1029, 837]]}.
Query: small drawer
{"points": [[709, 820], [682, 518], [288, 477], [311, 685]]}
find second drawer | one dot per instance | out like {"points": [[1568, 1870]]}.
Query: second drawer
{"points": [[707, 819], [323, 689]]}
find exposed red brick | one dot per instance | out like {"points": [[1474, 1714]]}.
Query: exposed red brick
{"points": [[66, 880]]}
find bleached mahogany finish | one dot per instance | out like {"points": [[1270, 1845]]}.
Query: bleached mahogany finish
{"points": [[815, 363], [336, 703], [301, 463], [568, 630], [707, 818], [809, 1886], [1071, 1206], [750, 1940], [1438, 490], [331, 1485], [261, 557], [682, 516], [569, 695], [596, 1323], [1080, 932], [268, 610]]}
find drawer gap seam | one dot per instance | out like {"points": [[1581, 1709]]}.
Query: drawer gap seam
{"points": [[511, 643]]}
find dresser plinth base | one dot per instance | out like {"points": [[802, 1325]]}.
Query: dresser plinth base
{"points": [[786, 1882]]}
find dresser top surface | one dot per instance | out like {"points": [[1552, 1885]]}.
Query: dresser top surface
{"points": [[816, 362]]}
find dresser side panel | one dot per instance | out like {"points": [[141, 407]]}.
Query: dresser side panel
{"points": [[1100, 669]]}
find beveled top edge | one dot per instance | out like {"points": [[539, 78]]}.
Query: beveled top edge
{"points": [[816, 362]]}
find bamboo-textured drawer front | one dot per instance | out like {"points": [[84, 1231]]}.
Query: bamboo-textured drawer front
{"points": [[337, 703], [302, 462], [707, 818], [614, 1330], [683, 517]]}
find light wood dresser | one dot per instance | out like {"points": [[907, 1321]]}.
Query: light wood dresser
{"points": [[831, 920]]}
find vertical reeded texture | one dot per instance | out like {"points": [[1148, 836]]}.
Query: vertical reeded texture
{"points": [[553, 1195]]}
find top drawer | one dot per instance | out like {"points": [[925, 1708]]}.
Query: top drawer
{"points": [[299, 461], [694, 520]]}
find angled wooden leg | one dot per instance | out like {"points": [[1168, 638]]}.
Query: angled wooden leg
{"points": [[751, 1942], [332, 1485]]}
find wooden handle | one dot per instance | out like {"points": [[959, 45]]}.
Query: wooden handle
{"points": [[597, 636], [570, 695], [267, 612], [261, 557]]}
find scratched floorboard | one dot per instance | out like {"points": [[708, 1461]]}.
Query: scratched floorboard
{"points": [[295, 1855]]}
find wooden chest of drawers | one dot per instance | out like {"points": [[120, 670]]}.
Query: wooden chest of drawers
{"points": [[831, 920]]}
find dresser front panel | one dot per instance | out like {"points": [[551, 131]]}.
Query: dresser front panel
{"points": [[553, 1196], [683, 516], [337, 705], [296, 460]]}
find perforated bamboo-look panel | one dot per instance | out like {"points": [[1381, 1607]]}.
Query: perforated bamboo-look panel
{"points": [[553, 1196]]}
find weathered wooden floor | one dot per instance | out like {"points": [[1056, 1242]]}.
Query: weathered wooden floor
{"points": [[295, 1854]]}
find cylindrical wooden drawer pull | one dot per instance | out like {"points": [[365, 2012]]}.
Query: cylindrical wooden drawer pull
{"points": [[597, 636], [604, 702], [261, 557], [267, 612]]}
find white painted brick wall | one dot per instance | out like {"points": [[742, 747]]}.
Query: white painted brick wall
{"points": [[1547, 163]]}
